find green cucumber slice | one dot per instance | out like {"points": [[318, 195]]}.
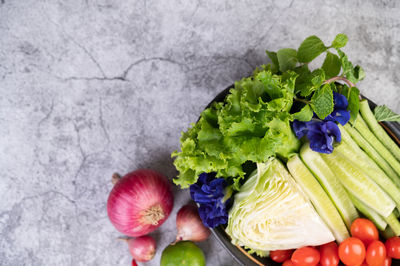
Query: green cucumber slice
{"points": [[368, 166], [369, 213], [320, 200], [330, 183], [372, 153], [393, 223], [359, 184], [377, 129], [362, 127]]}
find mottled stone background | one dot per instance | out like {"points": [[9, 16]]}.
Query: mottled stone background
{"points": [[88, 88]]}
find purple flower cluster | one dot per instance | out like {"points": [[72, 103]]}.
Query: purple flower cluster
{"points": [[209, 193], [322, 133]]}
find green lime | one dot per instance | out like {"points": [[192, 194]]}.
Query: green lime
{"points": [[183, 253]]}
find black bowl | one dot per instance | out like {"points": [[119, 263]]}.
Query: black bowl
{"points": [[241, 256]]}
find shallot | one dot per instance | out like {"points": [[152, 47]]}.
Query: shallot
{"points": [[139, 202], [189, 225], [142, 248]]}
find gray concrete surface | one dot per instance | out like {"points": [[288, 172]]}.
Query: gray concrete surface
{"points": [[88, 88]]}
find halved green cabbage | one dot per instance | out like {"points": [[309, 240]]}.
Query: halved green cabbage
{"points": [[271, 213]]}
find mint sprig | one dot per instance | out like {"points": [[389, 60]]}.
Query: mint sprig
{"points": [[383, 113], [311, 85]]}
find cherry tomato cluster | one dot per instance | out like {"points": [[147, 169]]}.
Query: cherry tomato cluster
{"points": [[362, 248]]}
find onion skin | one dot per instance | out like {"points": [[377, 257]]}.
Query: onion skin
{"points": [[140, 202], [189, 225], [142, 248]]}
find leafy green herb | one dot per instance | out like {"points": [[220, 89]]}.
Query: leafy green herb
{"points": [[317, 77], [352, 94], [274, 59], [322, 101], [287, 59], [331, 65], [339, 41], [359, 73], [383, 113], [310, 48], [305, 114]]}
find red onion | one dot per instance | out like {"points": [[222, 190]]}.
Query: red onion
{"points": [[140, 202], [142, 248], [189, 225]]}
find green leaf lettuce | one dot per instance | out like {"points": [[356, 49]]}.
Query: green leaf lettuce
{"points": [[252, 124]]}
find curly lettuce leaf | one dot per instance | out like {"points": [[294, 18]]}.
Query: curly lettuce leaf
{"points": [[251, 125]]}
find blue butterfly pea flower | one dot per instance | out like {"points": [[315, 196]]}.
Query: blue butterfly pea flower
{"points": [[209, 193], [322, 133], [340, 113]]}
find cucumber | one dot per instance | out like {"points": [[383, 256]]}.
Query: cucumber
{"points": [[388, 233], [369, 213], [346, 138], [320, 200], [372, 153], [396, 212], [393, 223], [330, 183], [362, 127], [377, 129], [368, 166], [359, 184]]}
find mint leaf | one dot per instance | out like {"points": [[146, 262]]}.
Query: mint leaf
{"points": [[310, 48], [305, 114], [287, 59], [274, 59], [339, 41], [383, 113], [347, 67], [359, 73], [352, 95], [303, 81], [317, 77], [322, 101], [331, 65]]}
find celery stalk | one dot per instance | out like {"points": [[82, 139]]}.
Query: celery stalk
{"points": [[369, 213], [377, 129], [320, 200], [368, 166], [359, 184], [372, 153], [362, 127], [330, 183], [393, 223]]}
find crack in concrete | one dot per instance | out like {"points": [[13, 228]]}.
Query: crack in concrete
{"points": [[84, 49], [102, 125], [47, 116]]}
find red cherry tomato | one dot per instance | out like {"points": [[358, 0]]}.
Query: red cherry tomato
{"points": [[387, 261], [134, 263], [281, 255], [305, 256], [288, 263], [376, 253], [352, 251], [365, 230], [393, 247], [329, 254]]}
